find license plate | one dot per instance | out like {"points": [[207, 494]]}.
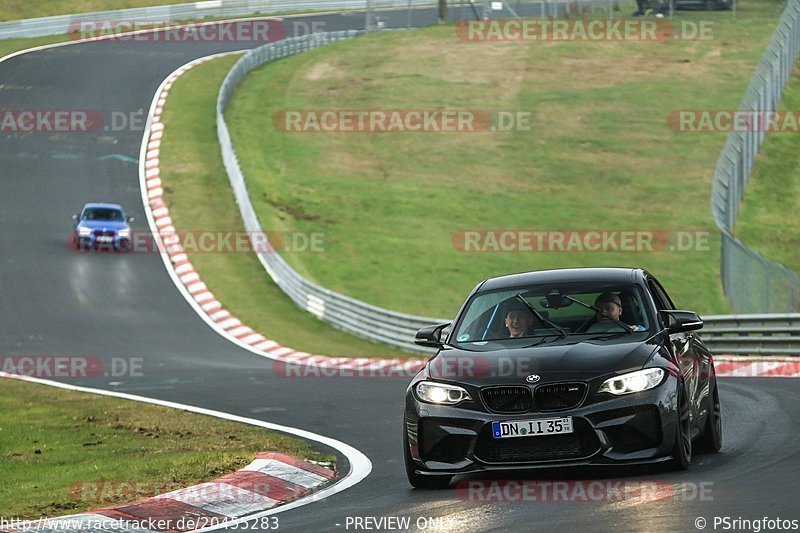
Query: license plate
{"points": [[532, 428], [105, 238]]}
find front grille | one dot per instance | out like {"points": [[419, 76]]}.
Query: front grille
{"points": [[580, 444], [513, 399], [558, 396], [101, 233]]}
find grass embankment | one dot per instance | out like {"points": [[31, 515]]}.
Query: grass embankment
{"points": [[600, 155], [9, 46], [64, 452], [768, 221], [199, 197]]}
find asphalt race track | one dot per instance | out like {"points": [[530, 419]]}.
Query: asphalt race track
{"points": [[54, 301]]}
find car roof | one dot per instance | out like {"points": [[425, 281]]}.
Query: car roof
{"points": [[564, 275], [100, 205]]}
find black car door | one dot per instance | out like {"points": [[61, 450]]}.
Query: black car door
{"points": [[690, 356]]}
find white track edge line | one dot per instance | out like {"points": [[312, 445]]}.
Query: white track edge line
{"points": [[360, 465]]}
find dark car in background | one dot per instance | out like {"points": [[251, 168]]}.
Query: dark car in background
{"points": [[708, 5], [607, 372], [101, 226]]}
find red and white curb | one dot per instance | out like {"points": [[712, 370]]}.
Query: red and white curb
{"points": [[272, 479], [738, 366], [197, 292]]}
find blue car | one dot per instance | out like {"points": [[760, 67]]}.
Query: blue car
{"points": [[102, 226]]}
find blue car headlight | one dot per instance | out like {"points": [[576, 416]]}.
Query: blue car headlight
{"points": [[84, 232], [124, 233], [638, 381]]}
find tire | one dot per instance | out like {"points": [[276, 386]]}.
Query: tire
{"points": [[711, 440], [682, 449], [419, 481]]}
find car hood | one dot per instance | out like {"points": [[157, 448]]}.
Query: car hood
{"points": [[584, 360], [103, 224]]}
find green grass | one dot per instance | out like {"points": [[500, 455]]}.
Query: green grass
{"points": [[600, 155], [768, 221], [8, 46], [57, 445], [199, 197]]}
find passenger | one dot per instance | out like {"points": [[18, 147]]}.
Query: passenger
{"points": [[519, 321]]}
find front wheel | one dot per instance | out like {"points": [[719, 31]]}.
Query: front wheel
{"points": [[711, 441], [682, 451], [419, 481]]}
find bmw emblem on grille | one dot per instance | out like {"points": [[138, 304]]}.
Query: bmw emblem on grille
{"points": [[533, 378]]}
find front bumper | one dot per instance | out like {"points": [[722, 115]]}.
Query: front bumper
{"points": [[632, 429], [104, 241]]}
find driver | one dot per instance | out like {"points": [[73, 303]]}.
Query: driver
{"points": [[610, 305], [519, 321], [609, 309]]}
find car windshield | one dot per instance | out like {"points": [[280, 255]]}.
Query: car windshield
{"points": [[589, 310], [98, 213]]}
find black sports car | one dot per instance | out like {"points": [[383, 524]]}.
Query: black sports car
{"points": [[561, 368]]}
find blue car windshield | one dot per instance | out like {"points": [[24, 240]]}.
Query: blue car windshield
{"points": [[102, 214]]}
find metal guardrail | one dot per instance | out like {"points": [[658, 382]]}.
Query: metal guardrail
{"points": [[751, 282], [772, 334], [62, 24], [458, 10]]}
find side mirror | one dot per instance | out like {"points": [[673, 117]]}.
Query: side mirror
{"points": [[130, 219], [74, 217], [430, 336], [681, 321]]}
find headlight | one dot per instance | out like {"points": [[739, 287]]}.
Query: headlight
{"points": [[441, 393], [124, 233], [633, 382], [84, 232]]}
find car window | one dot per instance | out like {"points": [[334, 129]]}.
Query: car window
{"points": [[483, 319], [663, 301], [102, 214]]}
